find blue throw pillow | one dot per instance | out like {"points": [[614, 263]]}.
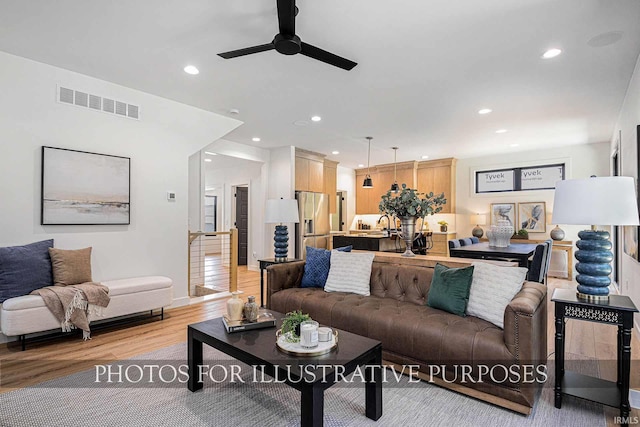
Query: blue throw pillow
{"points": [[24, 269], [316, 267]]}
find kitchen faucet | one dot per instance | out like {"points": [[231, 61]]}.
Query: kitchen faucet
{"points": [[388, 222]]}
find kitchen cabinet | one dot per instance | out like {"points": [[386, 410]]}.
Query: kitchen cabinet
{"points": [[367, 199], [309, 173], [441, 243], [330, 173], [439, 176]]}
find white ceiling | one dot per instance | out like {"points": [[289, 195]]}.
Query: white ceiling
{"points": [[424, 67]]}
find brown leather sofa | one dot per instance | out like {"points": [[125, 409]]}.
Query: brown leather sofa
{"points": [[415, 334]]}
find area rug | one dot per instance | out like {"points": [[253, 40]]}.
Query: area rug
{"points": [[77, 400]]}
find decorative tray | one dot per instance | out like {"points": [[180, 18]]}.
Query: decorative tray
{"points": [[295, 349]]}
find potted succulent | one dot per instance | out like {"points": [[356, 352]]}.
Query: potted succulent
{"points": [[409, 205], [443, 226], [291, 325]]}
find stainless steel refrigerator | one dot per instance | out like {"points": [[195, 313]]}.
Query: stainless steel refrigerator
{"points": [[314, 227]]}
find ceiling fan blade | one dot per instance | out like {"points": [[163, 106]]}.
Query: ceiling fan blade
{"points": [[287, 16], [247, 51], [328, 57]]}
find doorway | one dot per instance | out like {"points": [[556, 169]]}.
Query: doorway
{"points": [[616, 232], [242, 223]]}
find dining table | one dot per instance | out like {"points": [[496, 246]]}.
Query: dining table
{"points": [[520, 252]]}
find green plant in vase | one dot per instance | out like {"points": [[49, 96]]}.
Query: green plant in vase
{"points": [[291, 325], [408, 206]]}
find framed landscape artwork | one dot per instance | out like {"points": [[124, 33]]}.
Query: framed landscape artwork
{"points": [[532, 217], [84, 188], [503, 211]]}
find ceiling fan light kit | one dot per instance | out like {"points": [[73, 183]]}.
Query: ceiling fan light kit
{"points": [[287, 42]]}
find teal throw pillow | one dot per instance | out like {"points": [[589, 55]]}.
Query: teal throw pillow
{"points": [[450, 289]]}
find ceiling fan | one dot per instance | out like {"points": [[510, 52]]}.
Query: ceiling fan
{"points": [[288, 43]]}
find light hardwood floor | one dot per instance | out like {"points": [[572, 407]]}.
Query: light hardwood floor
{"points": [[66, 355]]}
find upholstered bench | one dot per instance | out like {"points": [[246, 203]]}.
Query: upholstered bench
{"points": [[28, 314]]}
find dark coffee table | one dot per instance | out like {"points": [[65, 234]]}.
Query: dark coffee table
{"points": [[309, 375]]}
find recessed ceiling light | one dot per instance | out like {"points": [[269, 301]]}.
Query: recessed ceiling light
{"points": [[335, 152], [210, 153], [301, 123], [316, 118], [485, 111], [501, 131], [514, 145], [190, 69], [424, 157], [360, 165], [256, 139], [551, 53], [207, 160]]}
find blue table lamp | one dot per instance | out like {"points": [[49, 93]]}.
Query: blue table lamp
{"points": [[281, 211], [599, 201]]}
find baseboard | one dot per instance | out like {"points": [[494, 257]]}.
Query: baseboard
{"points": [[253, 268], [179, 302]]}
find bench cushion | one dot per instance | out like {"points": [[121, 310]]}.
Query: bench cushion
{"points": [[28, 314]]}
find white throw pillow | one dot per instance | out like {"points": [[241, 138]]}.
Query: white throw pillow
{"points": [[492, 289], [350, 272]]}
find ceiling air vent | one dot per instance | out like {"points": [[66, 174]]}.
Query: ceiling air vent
{"points": [[98, 103]]}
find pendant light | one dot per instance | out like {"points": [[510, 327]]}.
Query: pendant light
{"points": [[395, 187], [368, 182]]}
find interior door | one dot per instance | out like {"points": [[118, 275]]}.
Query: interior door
{"points": [[242, 223]]}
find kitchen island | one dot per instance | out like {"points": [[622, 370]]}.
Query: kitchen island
{"points": [[370, 242]]}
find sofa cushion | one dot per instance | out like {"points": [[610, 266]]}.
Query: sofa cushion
{"points": [[404, 328], [24, 269], [450, 289], [350, 272], [492, 289], [71, 267], [316, 267]]}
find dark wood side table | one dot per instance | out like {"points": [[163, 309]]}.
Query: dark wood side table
{"points": [[619, 311], [264, 263]]}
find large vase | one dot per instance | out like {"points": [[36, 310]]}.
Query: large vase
{"points": [[500, 235], [234, 307], [594, 265], [408, 224]]}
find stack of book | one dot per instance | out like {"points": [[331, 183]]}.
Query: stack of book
{"points": [[244, 325]]}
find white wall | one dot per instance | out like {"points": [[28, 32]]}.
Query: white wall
{"points": [[159, 146], [581, 161], [627, 124], [281, 178]]}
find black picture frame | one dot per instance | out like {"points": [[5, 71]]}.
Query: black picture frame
{"points": [[84, 188], [517, 178]]}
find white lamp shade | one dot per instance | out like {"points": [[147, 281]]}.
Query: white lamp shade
{"points": [[478, 219], [281, 210], [596, 201]]}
